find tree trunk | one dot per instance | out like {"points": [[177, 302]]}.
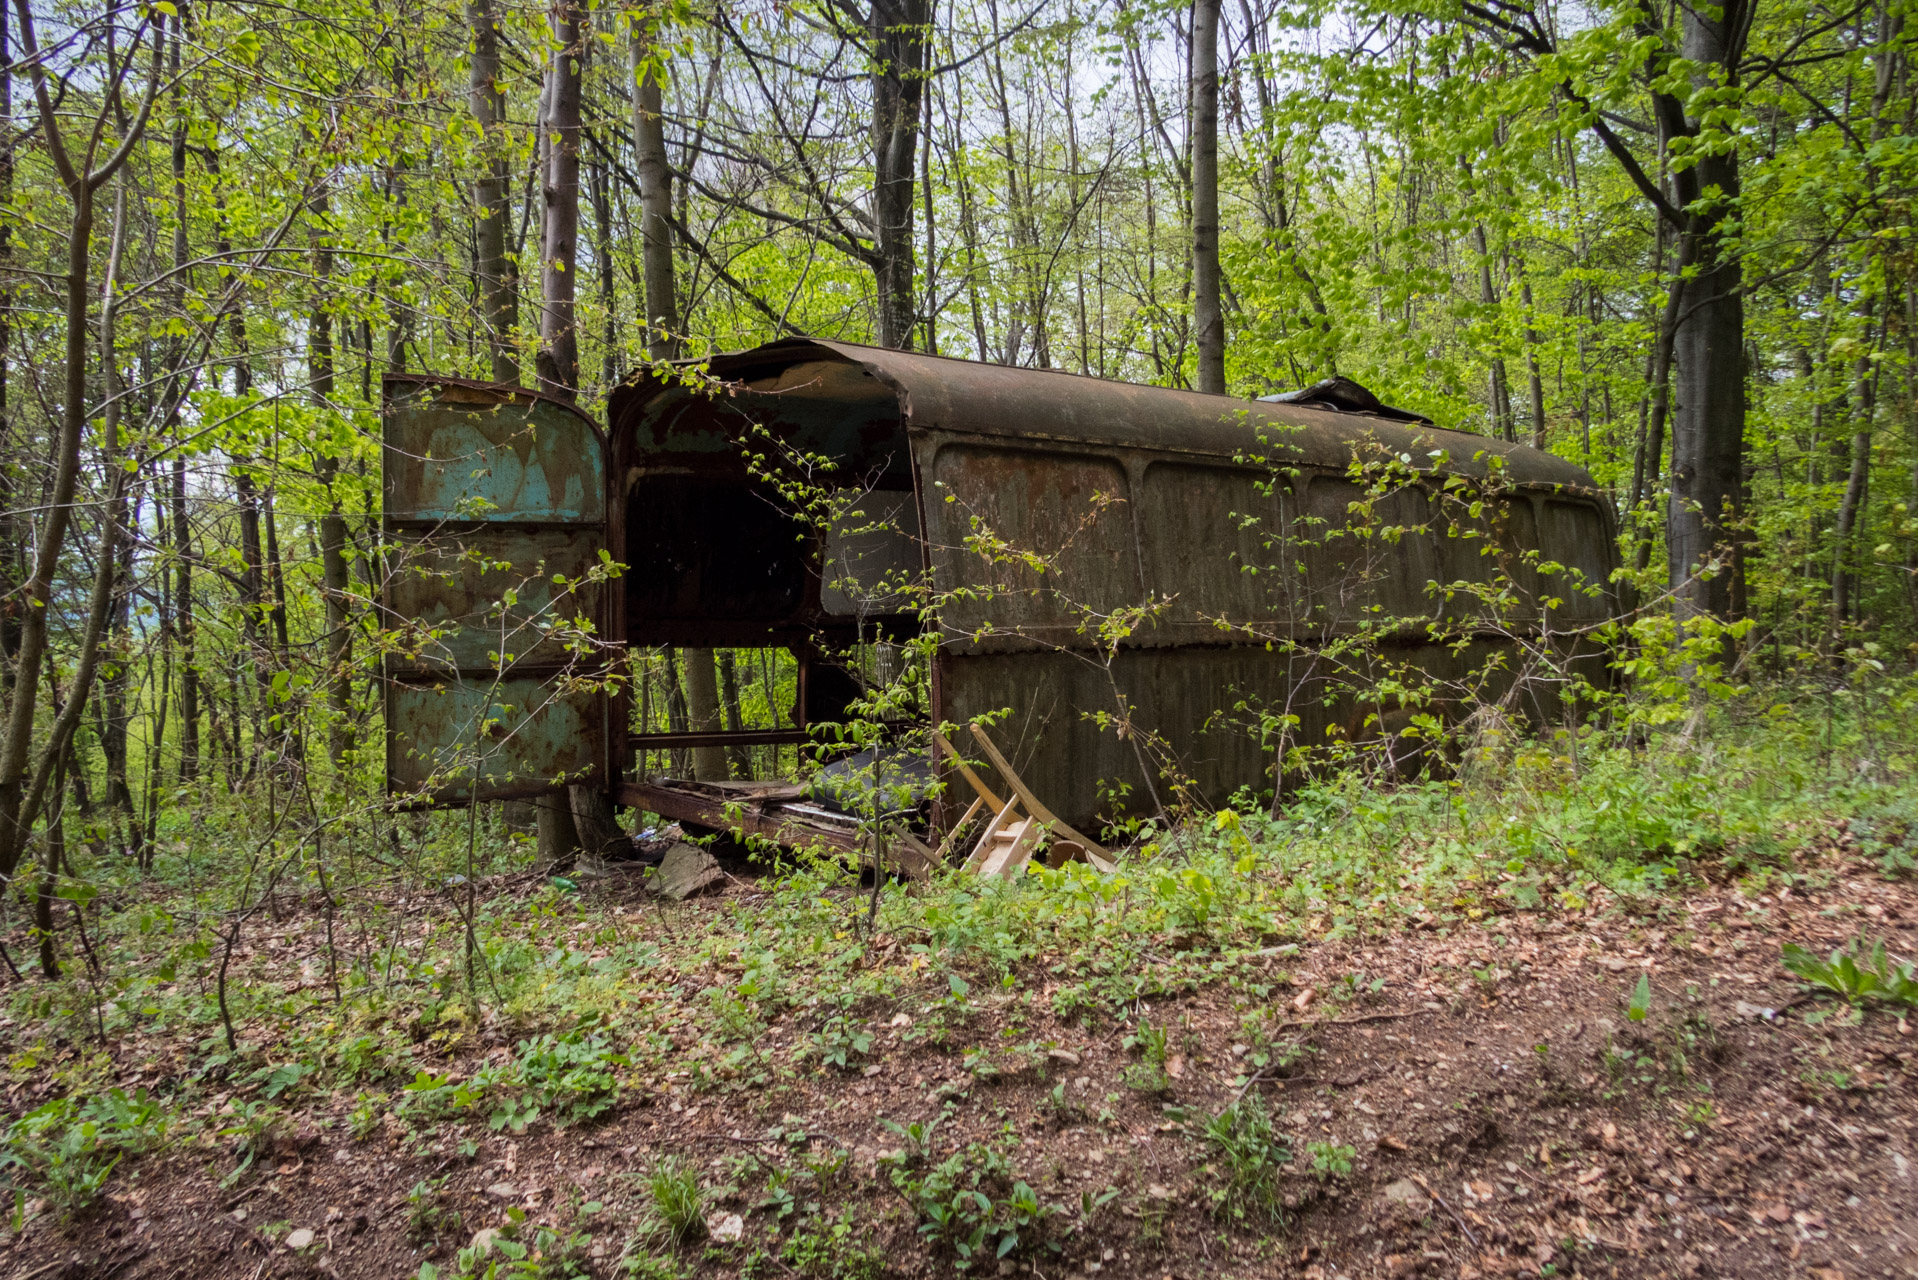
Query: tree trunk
{"points": [[338, 647], [1501, 394], [655, 201], [662, 339], [595, 829], [559, 240], [558, 839], [13, 548], [1851, 507], [1708, 429], [498, 290], [898, 30], [601, 186], [729, 695], [702, 701], [16, 746], [559, 833], [1532, 340], [1208, 317], [176, 395]]}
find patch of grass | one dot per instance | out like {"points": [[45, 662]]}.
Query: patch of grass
{"points": [[678, 1201], [1148, 1074], [428, 1216]]}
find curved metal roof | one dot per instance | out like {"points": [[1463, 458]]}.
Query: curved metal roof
{"points": [[942, 394]]}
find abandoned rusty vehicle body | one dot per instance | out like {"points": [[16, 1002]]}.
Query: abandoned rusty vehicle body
{"points": [[1150, 589]]}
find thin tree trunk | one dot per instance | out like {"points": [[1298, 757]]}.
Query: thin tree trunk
{"points": [[1532, 341], [558, 362], [183, 618], [16, 747], [13, 547], [603, 258], [897, 30], [498, 290], [1851, 506], [655, 177], [1502, 418], [1208, 317], [335, 578], [729, 695]]}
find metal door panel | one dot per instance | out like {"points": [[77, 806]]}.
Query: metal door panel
{"points": [[521, 735], [495, 510], [462, 453], [490, 606]]}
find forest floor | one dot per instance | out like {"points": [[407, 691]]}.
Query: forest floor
{"points": [[1468, 1099]]}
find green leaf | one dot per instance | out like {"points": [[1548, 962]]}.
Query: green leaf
{"points": [[1641, 1004]]}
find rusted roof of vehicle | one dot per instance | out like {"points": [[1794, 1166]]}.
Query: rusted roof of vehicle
{"points": [[940, 393]]}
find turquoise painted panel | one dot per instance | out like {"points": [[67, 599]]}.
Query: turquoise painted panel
{"points": [[519, 734], [459, 454]]}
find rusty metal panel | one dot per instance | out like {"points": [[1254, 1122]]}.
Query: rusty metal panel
{"points": [[488, 599], [1370, 557], [1573, 536], [457, 452], [519, 735], [1042, 543], [1222, 544], [1193, 714], [494, 511]]}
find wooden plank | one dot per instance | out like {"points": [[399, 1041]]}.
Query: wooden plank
{"points": [[984, 847], [993, 802], [945, 846], [1095, 853], [1011, 847], [910, 854], [681, 806]]}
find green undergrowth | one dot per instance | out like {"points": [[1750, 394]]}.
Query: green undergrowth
{"points": [[377, 1018]]}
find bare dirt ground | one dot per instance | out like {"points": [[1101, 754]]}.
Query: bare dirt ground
{"points": [[1505, 1118]]}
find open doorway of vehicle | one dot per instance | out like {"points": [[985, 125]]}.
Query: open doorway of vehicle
{"points": [[772, 516]]}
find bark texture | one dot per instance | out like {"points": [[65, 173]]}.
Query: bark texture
{"points": [[1208, 316]]}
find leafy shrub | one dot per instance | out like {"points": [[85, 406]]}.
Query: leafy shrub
{"points": [[68, 1148], [520, 1250], [840, 1041], [974, 1202], [571, 1076], [1858, 973], [1330, 1159], [1248, 1154], [831, 1247]]}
